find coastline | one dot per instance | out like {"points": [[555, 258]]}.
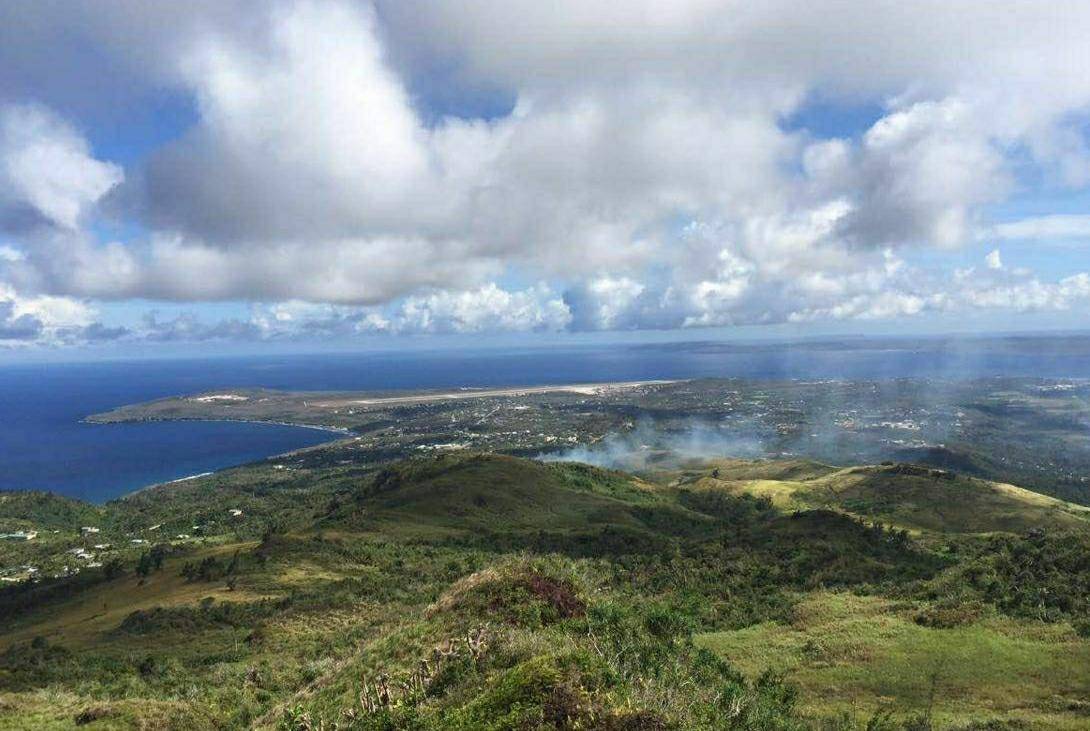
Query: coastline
{"points": [[339, 400], [378, 399], [210, 473], [151, 419], [186, 478]]}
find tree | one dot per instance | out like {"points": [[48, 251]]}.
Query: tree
{"points": [[113, 568], [158, 553], [145, 564], [233, 566], [209, 569]]}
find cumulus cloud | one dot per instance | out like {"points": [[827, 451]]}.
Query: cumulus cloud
{"points": [[17, 327], [923, 171], [908, 291], [605, 303], [648, 160], [188, 327], [47, 172], [486, 309], [47, 320], [887, 291], [1026, 293], [313, 139]]}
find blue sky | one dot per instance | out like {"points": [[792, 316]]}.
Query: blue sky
{"points": [[339, 174]]}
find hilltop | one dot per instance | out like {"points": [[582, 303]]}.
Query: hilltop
{"points": [[474, 590]]}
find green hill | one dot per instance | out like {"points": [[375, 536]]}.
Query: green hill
{"points": [[47, 511], [489, 492], [903, 495], [482, 591], [501, 502]]}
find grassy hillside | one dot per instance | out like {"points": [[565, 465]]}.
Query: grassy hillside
{"points": [[903, 495], [45, 511], [877, 655], [495, 492], [477, 591]]}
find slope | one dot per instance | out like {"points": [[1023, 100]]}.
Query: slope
{"points": [[472, 495], [903, 495], [484, 591]]}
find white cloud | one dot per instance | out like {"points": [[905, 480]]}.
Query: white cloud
{"points": [[312, 138], [994, 259], [47, 172], [488, 308], [605, 303], [713, 301], [924, 170], [1044, 228], [996, 288], [871, 306], [10, 254], [887, 290], [42, 320], [651, 168]]}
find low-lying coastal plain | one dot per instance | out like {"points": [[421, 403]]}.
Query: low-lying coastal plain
{"points": [[1025, 431]]}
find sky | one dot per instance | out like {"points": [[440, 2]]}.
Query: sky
{"points": [[224, 176]]}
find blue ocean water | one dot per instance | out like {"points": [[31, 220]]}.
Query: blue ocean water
{"points": [[43, 444]]}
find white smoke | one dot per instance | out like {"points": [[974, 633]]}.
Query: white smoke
{"points": [[647, 445]]}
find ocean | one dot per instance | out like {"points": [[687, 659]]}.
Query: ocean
{"points": [[44, 445]]}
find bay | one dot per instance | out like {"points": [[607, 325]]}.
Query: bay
{"points": [[45, 446]]}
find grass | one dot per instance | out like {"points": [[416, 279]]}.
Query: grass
{"points": [[784, 494], [862, 654], [903, 496], [49, 711], [588, 586], [83, 620], [471, 493], [941, 501]]}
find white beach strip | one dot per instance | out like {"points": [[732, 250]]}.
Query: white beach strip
{"points": [[188, 477]]}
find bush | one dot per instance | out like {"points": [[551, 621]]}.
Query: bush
{"points": [[522, 594], [948, 614]]}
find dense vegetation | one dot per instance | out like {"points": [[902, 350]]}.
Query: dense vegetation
{"points": [[478, 591]]}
